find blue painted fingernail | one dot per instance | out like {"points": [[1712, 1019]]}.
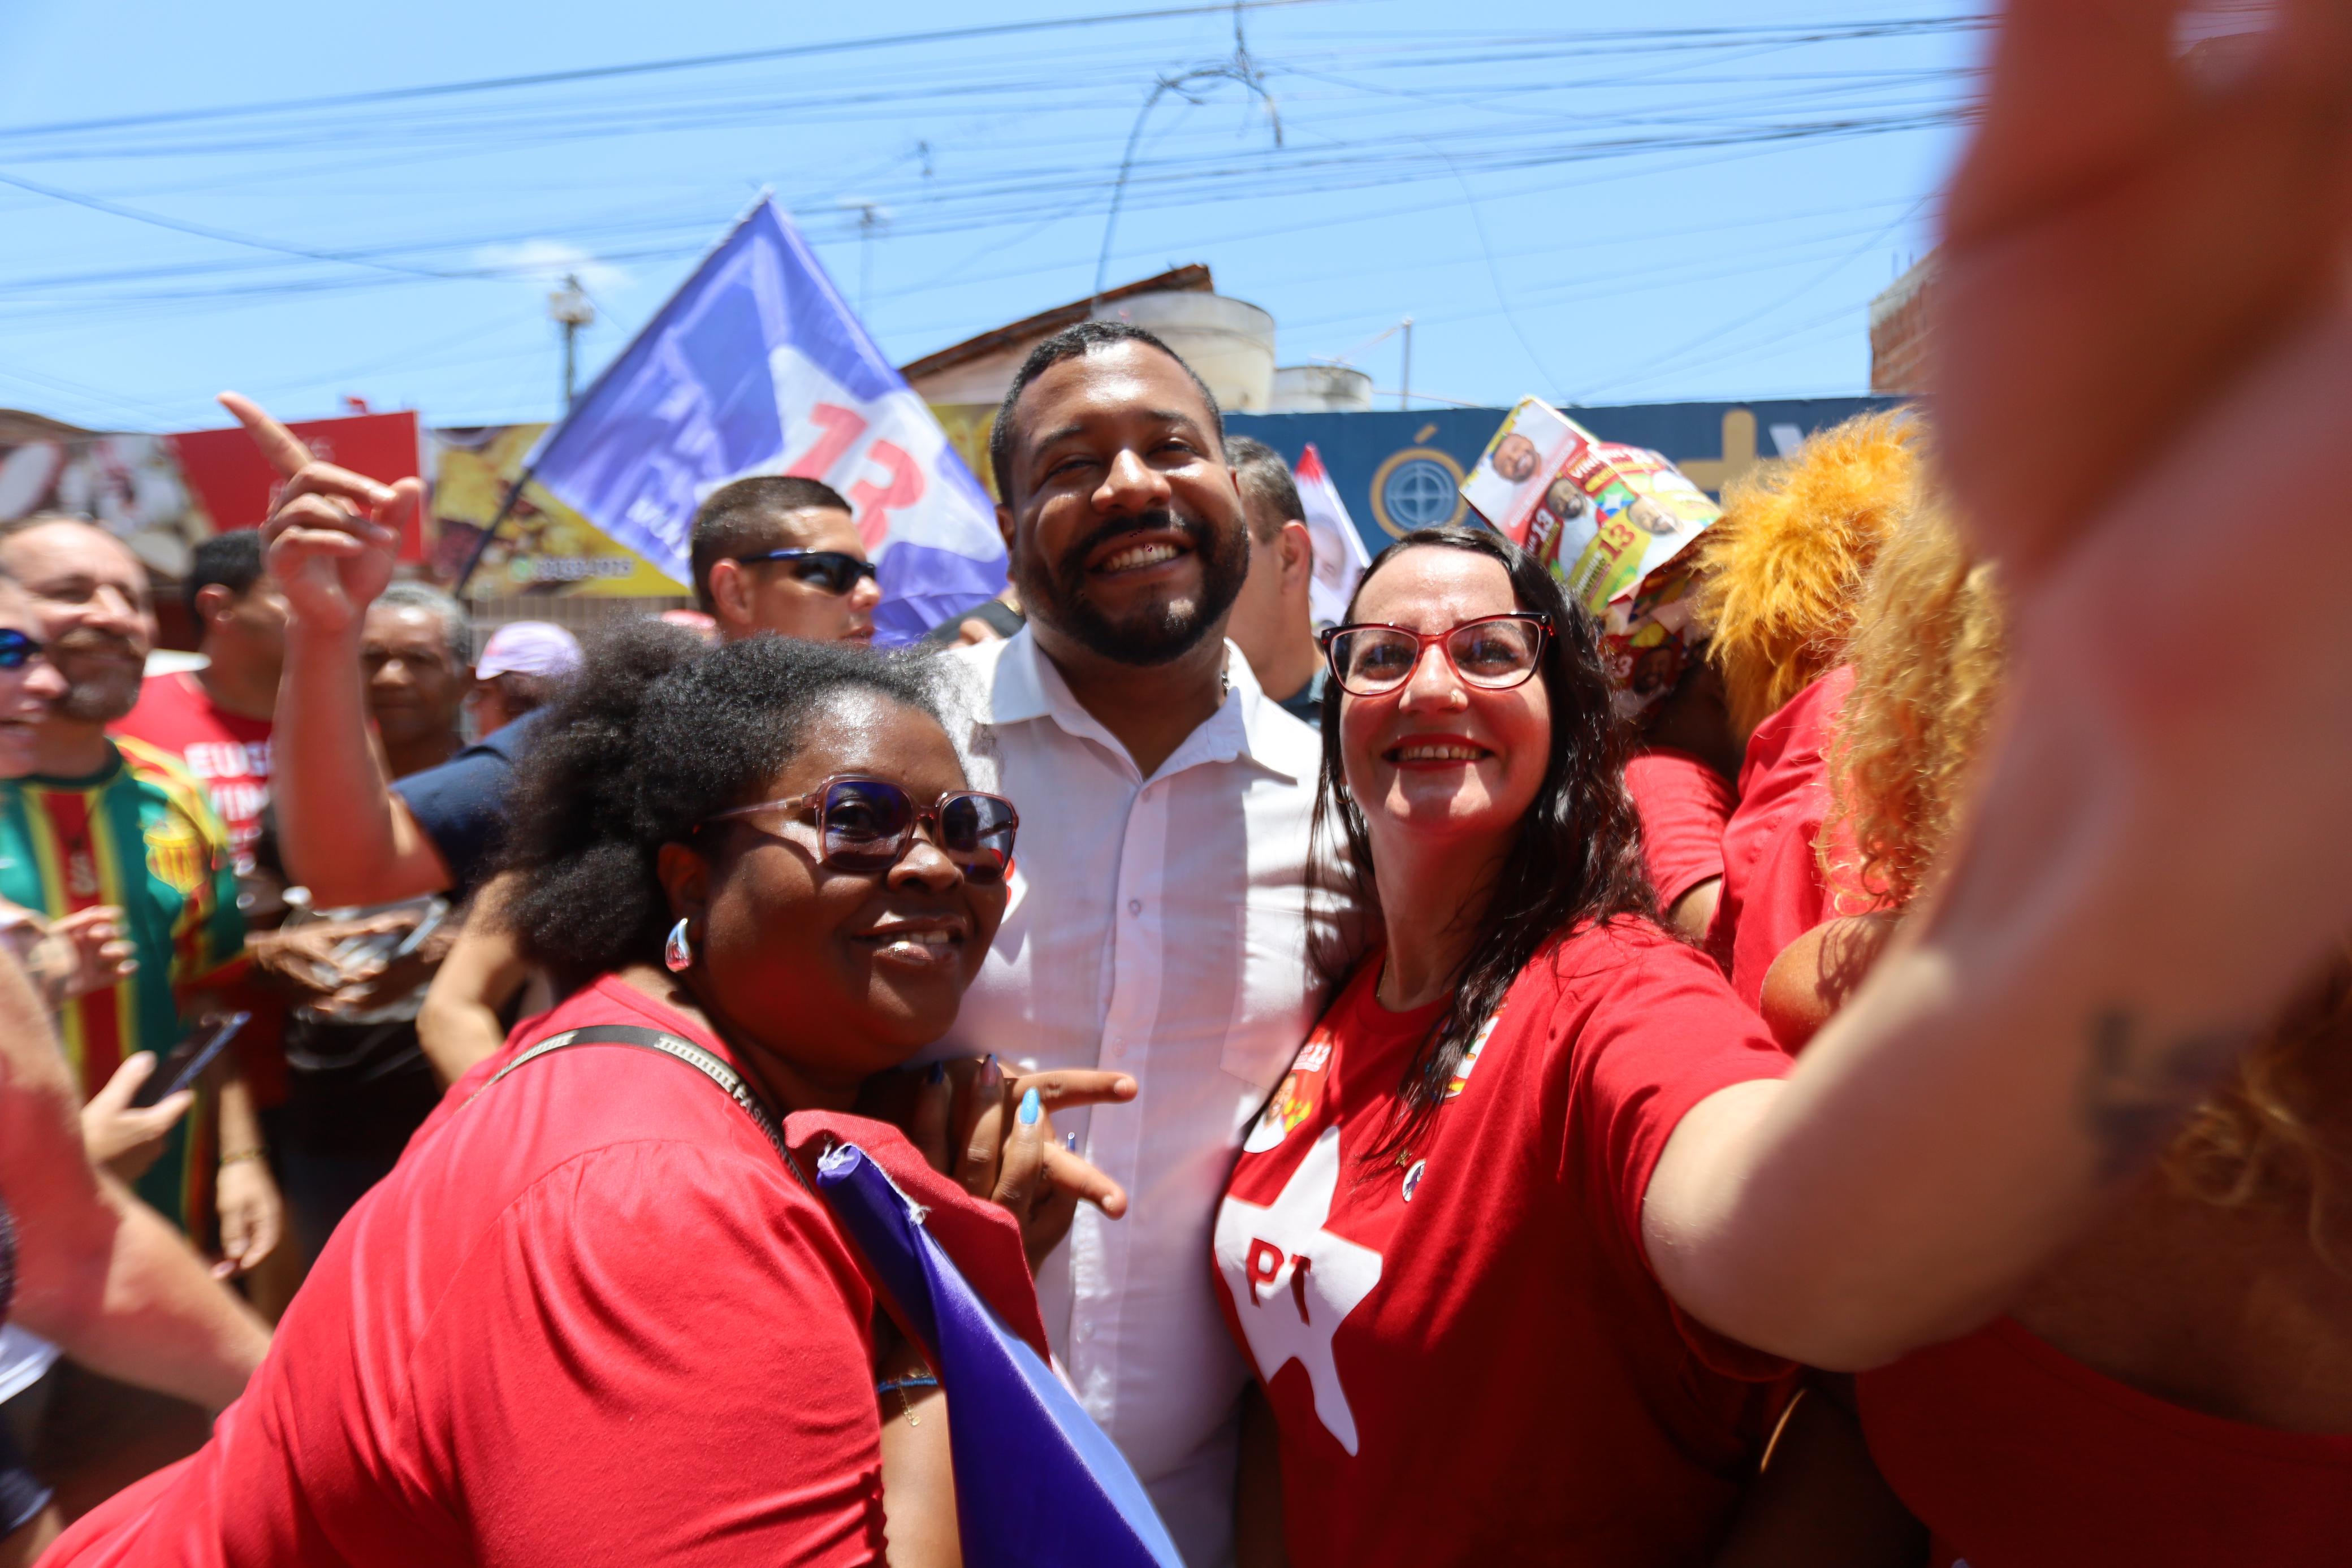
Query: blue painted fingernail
{"points": [[1031, 1108], [938, 1075]]}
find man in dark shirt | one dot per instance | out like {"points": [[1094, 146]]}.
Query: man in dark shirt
{"points": [[461, 806], [417, 652], [344, 831]]}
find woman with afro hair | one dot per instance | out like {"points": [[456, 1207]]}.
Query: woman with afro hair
{"points": [[595, 1315]]}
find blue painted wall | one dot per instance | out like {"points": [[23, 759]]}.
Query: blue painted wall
{"points": [[1400, 471]]}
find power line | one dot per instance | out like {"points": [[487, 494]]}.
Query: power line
{"points": [[1672, 360], [205, 231], [1018, 171], [1015, 196], [642, 67]]}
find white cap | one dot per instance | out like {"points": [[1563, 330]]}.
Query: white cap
{"points": [[528, 648]]}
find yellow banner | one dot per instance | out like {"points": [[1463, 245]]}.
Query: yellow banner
{"points": [[968, 425], [544, 550]]}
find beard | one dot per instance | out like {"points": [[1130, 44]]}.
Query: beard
{"points": [[103, 674], [1154, 634]]}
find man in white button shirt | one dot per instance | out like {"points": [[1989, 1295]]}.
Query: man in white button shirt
{"points": [[1159, 919]]}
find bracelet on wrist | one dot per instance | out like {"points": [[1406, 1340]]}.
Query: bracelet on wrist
{"points": [[252, 1152], [904, 1388]]}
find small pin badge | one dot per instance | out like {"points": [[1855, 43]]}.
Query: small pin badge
{"points": [[1412, 1178]]}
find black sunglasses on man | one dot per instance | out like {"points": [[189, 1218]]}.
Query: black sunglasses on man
{"points": [[831, 571]]}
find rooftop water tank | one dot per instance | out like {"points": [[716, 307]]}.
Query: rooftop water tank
{"points": [[1320, 389], [1228, 343]]}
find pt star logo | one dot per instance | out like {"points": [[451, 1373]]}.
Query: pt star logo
{"points": [[1294, 1283]]}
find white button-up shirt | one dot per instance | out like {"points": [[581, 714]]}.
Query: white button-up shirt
{"points": [[1159, 927]]}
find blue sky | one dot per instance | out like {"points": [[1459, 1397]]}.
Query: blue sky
{"points": [[1572, 201]]}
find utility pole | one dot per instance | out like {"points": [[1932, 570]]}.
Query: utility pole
{"points": [[570, 308], [1405, 386]]}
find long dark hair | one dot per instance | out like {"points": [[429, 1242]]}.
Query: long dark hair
{"points": [[1577, 858], [652, 739]]}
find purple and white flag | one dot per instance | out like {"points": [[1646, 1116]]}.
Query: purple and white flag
{"points": [[758, 365], [1037, 1483]]}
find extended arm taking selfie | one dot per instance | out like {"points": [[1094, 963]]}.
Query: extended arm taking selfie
{"points": [[2156, 853]]}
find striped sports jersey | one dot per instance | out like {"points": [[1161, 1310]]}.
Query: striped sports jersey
{"points": [[139, 834]]}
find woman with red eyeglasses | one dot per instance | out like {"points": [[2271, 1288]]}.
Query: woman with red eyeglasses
{"points": [[1488, 1245], [592, 1316], [1431, 1248]]}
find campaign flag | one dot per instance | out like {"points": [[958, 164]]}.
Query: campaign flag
{"points": [[1339, 558], [1037, 1484], [758, 365]]}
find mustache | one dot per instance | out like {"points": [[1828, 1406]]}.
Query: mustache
{"points": [[90, 639], [1160, 519]]}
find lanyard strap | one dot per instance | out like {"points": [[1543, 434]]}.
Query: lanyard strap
{"points": [[736, 1086]]}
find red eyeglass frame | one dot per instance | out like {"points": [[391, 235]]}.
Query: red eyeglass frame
{"points": [[1329, 636]]}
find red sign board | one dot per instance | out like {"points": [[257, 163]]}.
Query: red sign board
{"points": [[236, 485]]}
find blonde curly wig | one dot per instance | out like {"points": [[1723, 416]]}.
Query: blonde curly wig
{"points": [[1927, 653], [1929, 657], [2276, 1133], [1779, 572]]}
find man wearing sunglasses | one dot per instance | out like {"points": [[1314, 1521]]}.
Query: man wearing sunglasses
{"points": [[782, 555], [1157, 923]]}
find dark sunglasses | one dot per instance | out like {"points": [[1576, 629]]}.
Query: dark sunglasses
{"points": [[16, 650], [834, 571], [865, 824], [1494, 653]]}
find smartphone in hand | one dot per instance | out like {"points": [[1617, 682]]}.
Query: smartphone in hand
{"points": [[188, 1060]]}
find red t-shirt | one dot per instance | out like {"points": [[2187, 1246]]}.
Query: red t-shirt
{"points": [[1772, 890], [1684, 805], [227, 752], [2017, 1455], [1468, 1358], [589, 1318]]}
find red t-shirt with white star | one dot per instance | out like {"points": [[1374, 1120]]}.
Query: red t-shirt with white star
{"points": [[1467, 1356]]}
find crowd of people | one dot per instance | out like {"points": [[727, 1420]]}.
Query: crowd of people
{"points": [[1885, 1104]]}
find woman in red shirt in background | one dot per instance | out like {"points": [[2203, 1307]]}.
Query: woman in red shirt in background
{"points": [[1779, 581], [591, 1317]]}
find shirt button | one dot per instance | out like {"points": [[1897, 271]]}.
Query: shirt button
{"points": [[1135, 906]]}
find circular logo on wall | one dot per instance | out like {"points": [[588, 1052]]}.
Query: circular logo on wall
{"points": [[1419, 488]]}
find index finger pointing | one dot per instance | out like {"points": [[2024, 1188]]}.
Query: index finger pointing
{"points": [[282, 446], [1064, 1088]]}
